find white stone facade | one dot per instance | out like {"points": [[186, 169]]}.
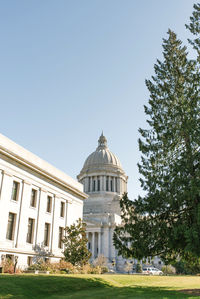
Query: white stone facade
{"points": [[104, 181], [37, 201]]}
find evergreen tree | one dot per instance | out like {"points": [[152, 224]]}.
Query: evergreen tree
{"points": [[194, 28], [166, 221], [75, 243]]}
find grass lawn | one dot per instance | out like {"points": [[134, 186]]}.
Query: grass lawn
{"points": [[98, 286]]}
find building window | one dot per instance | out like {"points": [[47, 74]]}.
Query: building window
{"points": [[94, 185], [62, 209], [10, 257], [98, 183], [111, 185], [107, 183], [11, 226], [60, 237], [29, 238], [88, 184], [89, 247], [49, 203], [46, 234], [29, 260], [15, 190], [33, 198], [116, 184]]}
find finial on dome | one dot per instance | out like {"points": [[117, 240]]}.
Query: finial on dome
{"points": [[102, 141]]}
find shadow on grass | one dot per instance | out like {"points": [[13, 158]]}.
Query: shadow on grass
{"points": [[61, 287]]}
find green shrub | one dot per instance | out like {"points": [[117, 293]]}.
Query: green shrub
{"points": [[187, 267], [8, 267], [64, 267], [53, 267], [138, 268], [104, 270], [169, 269]]}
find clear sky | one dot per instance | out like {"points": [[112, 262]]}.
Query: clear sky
{"points": [[70, 69]]}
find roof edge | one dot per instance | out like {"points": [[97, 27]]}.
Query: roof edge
{"points": [[25, 157]]}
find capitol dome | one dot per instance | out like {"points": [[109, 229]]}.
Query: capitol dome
{"points": [[101, 157], [102, 171]]}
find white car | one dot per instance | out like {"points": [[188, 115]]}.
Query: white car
{"points": [[152, 271]]}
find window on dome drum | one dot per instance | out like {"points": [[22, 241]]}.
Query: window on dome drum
{"points": [[89, 184], [11, 226], [46, 234], [49, 203], [15, 191], [98, 183], [116, 184], [31, 224], [111, 185], [60, 237], [33, 198], [107, 183], [62, 209], [94, 185]]}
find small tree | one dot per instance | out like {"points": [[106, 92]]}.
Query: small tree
{"points": [[75, 243], [128, 267]]}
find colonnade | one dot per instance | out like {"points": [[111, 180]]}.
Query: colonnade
{"points": [[94, 243], [104, 183]]}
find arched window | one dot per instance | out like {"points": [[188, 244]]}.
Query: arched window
{"points": [[111, 185], [94, 185], [89, 184]]}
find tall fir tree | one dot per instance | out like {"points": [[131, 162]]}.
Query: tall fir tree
{"points": [[194, 28], [166, 221]]}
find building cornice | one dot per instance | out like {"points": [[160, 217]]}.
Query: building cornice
{"points": [[19, 154]]}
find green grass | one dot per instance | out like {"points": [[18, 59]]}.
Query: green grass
{"points": [[96, 286]]}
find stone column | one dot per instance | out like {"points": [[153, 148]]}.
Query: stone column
{"points": [[93, 244], [95, 178], [53, 240], [6, 189], [22, 225], [114, 188], [104, 183], [84, 182], [100, 189], [120, 186], [91, 180], [99, 243]]}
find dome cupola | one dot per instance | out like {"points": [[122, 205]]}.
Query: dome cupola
{"points": [[102, 142]]}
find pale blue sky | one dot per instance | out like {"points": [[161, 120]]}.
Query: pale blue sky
{"points": [[70, 69]]}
